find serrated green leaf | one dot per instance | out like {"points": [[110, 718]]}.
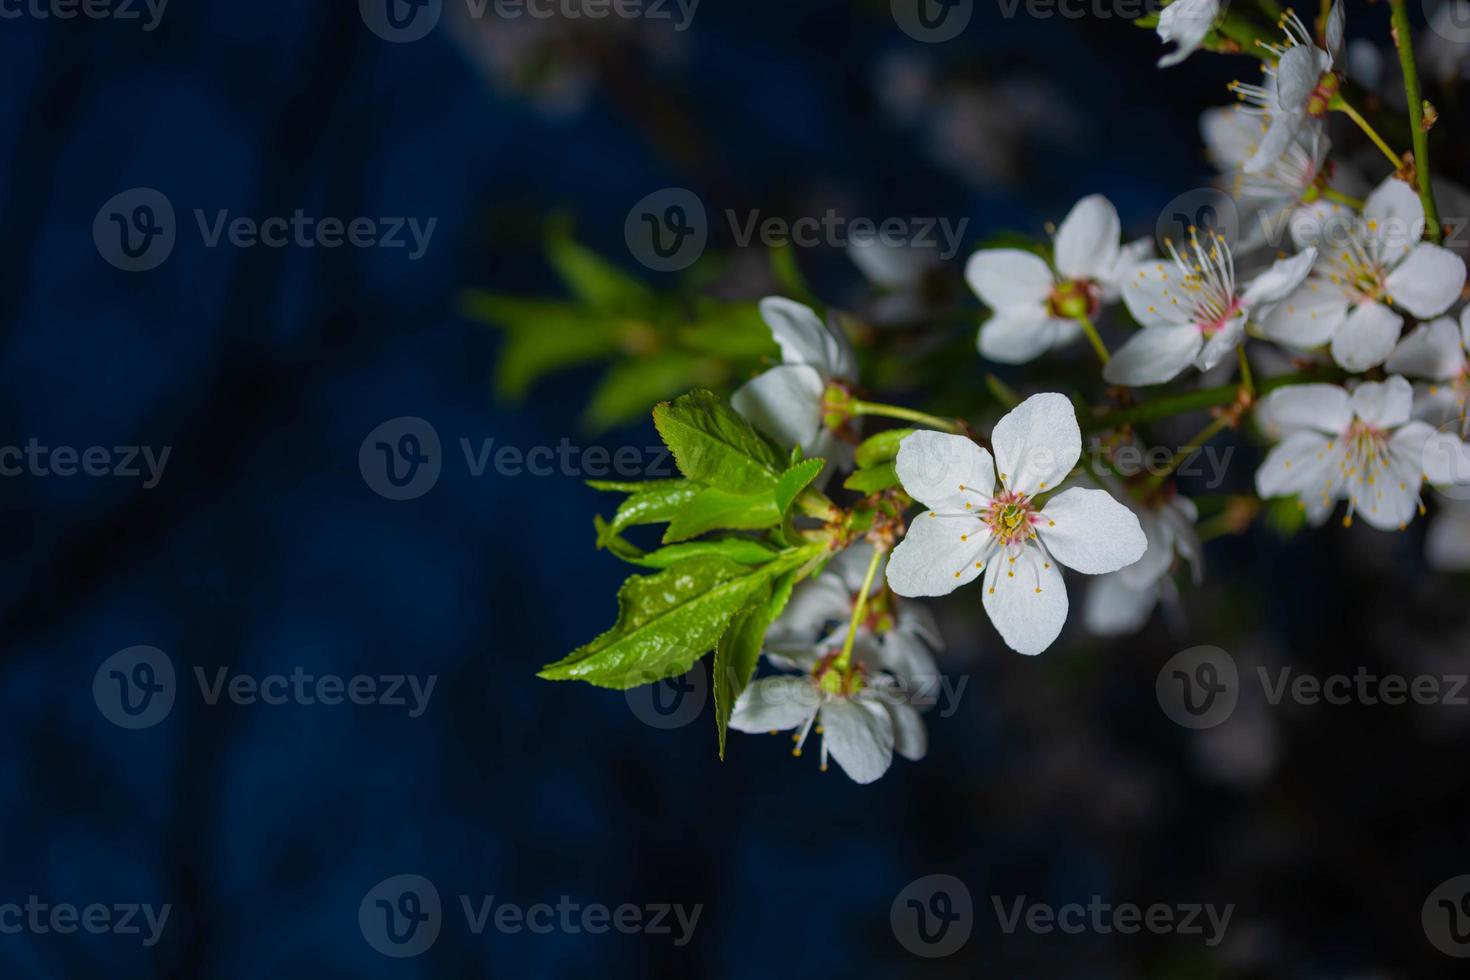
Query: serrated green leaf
{"points": [[629, 389], [880, 477], [794, 481], [594, 280], [740, 647], [665, 623], [655, 504], [712, 444], [880, 448], [715, 509]]}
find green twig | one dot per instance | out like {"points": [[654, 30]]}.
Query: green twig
{"points": [[844, 659], [1094, 338], [1404, 41], [1342, 106], [907, 414]]}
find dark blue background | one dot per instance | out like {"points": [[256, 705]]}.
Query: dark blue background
{"points": [[262, 549]]}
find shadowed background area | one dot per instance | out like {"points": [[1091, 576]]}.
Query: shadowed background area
{"points": [[262, 549]]}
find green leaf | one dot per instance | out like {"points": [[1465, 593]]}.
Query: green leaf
{"points": [[715, 446], [730, 330], [665, 623], [880, 477], [880, 448], [596, 281], [740, 648], [712, 508], [661, 501], [542, 336], [794, 481], [630, 388]]}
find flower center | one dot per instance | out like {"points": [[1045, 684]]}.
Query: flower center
{"points": [[835, 683], [1220, 322], [837, 414], [1321, 98], [1012, 518], [1074, 298], [1360, 277]]}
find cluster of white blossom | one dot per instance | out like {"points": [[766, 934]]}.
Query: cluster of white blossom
{"points": [[1331, 281]]}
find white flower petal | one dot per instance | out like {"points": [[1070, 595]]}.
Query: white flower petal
{"points": [[910, 737], [1322, 224], [1335, 28], [1087, 240], [940, 553], [1431, 350], [1115, 608], [804, 338], [1154, 355], [1320, 407], [1465, 327], [1026, 600], [1037, 443], [1230, 135], [1309, 317], [1386, 404], [1008, 278], [1222, 344], [1393, 221], [785, 403], [1158, 558], [1279, 135], [1186, 22], [1427, 282], [1366, 337], [816, 606], [1296, 76], [1302, 465], [1017, 335], [774, 704], [1153, 293], [859, 736], [1390, 502], [907, 657], [934, 466], [1442, 458], [1089, 531], [1278, 281]]}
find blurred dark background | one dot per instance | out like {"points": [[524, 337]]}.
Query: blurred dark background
{"points": [[263, 549]]}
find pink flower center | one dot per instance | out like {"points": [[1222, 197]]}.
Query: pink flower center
{"points": [[1222, 320], [1012, 518]]}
